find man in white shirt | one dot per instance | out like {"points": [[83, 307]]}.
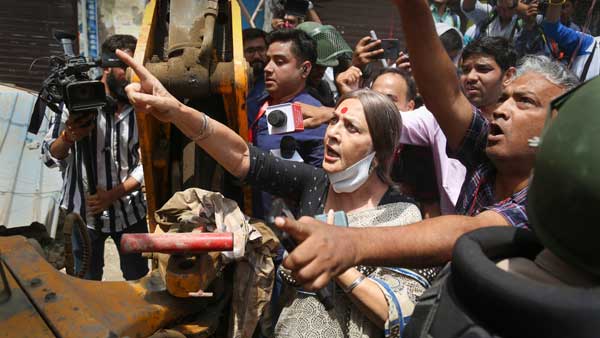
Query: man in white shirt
{"points": [[500, 20]]}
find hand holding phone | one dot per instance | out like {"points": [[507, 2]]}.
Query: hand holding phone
{"points": [[366, 50], [391, 49], [280, 209], [379, 55], [403, 62]]}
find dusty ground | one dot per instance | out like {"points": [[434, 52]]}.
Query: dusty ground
{"points": [[112, 269]]}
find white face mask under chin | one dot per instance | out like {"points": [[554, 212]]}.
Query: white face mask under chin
{"points": [[351, 178]]}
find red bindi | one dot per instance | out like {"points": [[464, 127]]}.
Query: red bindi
{"points": [[344, 110]]}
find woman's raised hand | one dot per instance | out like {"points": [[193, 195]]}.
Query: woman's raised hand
{"points": [[149, 95]]}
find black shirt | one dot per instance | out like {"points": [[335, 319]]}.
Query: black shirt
{"points": [[298, 181]]}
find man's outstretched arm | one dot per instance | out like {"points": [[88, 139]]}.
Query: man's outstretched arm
{"points": [[434, 72], [327, 251]]}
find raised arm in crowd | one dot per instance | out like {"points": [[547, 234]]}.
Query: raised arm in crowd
{"points": [[499, 163]]}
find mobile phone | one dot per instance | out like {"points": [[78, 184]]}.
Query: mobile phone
{"points": [[391, 49], [339, 218], [280, 209], [381, 59]]}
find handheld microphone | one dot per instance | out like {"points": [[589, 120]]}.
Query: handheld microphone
{"points": [[288, 146]]}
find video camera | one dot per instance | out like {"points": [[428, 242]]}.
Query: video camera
{"points": [[70, 83]]}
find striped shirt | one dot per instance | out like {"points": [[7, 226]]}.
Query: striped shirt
{"points": [[477, 193], [117, 158]]}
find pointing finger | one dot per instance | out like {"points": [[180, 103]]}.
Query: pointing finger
{"points": [[150, 100], [297, 230], [141, 71]]}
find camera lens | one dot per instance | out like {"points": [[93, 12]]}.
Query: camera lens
{"points": [[84, 92], [277, 118]]}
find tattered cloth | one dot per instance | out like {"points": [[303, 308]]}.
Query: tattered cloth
{"points": [[255, 245]]}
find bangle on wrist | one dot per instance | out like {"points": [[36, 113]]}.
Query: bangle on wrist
{"points": [[205, 130], [354, 283], [559, 3], [66, 138]]}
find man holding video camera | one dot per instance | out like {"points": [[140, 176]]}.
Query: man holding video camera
{"points": [[118, 206]]}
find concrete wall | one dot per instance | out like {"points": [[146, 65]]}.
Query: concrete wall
{"points": [[98, 19]]}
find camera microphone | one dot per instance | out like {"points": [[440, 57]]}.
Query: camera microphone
{"points": [[284, 118], [277, 118], [66, 40], [288, 146]]}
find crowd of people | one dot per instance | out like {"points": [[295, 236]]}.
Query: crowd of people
{"points": [[439, 143]]}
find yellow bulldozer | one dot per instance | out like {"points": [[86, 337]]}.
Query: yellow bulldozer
{"points": [[195, 48]]}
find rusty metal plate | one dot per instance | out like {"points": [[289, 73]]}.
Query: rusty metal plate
{"points": [[18, 316], [79, 308]]}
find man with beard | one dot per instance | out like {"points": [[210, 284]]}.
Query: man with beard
{"points": [[255, 53], [118, 204]]}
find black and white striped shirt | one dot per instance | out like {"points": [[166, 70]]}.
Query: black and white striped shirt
{"points": [[117, 158]]}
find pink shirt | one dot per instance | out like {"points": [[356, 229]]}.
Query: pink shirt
{"points": [[420, 128]]}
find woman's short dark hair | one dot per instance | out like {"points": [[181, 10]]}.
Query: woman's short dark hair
{"points": [[385, 124], [500, 49], [303, 46]]}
